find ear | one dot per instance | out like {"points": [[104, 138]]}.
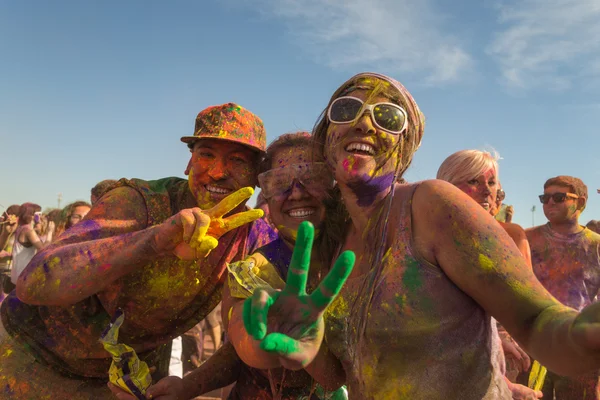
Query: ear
{"points": [[581, 203], [189, 166]]}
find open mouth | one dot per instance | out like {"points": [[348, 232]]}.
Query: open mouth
{"points": [[485, 205], [217, 190], [301, 213], [360, 148]]}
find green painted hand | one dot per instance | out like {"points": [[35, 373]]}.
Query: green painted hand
{"points": [[289, 322]]}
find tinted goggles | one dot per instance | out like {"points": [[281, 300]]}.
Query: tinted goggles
{"points": [[315, 177], [557, 197], [388, 117]]}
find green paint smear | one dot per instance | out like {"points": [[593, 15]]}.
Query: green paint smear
{"points": [[412, 276]]}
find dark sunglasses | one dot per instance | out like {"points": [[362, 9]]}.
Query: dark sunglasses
{"points": [[557, 197], [388, 117]]}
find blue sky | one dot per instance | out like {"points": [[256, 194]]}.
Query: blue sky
{"points": [[104, 89]]}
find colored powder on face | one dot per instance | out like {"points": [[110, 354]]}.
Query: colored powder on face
{"points": [[367, 188], [485, 263]]}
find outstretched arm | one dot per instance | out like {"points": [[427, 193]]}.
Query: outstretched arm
{"points": [[108, 244], [113, 240], [475, 252]]}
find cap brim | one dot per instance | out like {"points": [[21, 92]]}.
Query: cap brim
{"points": [[192, 139]]}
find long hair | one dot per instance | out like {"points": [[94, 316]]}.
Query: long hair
{"points": [[26, 212], [465, 165], [337, 217]]}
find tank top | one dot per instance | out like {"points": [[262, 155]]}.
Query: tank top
{"points": [[425, 338], [21, 255]]}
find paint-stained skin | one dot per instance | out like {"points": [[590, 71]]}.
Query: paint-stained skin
{"points": [[137, 250], [417, 322]]}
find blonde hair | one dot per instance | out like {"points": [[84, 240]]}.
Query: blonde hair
{"points": [[465, 165]]}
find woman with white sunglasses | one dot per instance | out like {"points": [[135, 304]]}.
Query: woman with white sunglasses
{"points": [[413, 320]]}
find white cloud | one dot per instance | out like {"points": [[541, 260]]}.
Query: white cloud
{"points": [[401, 36], [550, 43]]}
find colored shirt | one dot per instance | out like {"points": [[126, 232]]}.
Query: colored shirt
{"points": [[424, 339], [161, 300], [567, 265]]}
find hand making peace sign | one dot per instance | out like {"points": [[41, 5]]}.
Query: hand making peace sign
{"points": [[192, 233], [289, 322]]}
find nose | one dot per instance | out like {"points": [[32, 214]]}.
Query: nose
{"points": [[298, 191], [218, 170], [365, 124]]}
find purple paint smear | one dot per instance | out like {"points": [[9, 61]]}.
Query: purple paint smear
{"points": [[367, 188]]}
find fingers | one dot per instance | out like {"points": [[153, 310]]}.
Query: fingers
{"points": [[239, 219], [281, 344], [207, 244], [298, 271], [256, 310], [165, 386], [201, 223], [230, 202], [334, 281]]}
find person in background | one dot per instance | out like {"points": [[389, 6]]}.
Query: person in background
{"points": [[475, 172], [566, 260], [8, 225], [27, 242]]}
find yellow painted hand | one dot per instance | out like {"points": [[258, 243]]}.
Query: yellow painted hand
{"points": [[220, 225], [207, 237]]}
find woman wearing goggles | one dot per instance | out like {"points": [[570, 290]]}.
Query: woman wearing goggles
{"points": [[432, 267], [295, 185]]}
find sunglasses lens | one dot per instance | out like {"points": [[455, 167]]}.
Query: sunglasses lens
{"points": [[313, 176], [389, 117], [344, 109], [559, 197], [544, 198]]}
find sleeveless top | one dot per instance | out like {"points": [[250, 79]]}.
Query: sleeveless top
{"points": [[161, 300], [425, 339], [21, 255]]}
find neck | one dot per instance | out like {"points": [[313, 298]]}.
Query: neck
{"points": [[566, 227], [359, 213]]}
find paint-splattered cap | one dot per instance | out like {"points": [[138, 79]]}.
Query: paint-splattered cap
{"points": [[230, 122]]}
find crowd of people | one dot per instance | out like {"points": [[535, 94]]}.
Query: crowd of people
{"points": [[422, 290]]}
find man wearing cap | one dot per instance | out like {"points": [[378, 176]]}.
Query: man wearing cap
{"points": [[157, 250]]}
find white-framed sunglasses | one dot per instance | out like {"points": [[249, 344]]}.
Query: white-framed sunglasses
{"points": [[388, 117]]}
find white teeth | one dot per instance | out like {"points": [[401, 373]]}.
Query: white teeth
{"points": [[301, 213], [216, 189], [361, 147]]}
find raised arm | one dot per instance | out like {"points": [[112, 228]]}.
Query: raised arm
{"points": [[475, 252]]}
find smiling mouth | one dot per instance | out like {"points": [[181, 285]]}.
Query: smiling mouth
{"points": [[360, 148], [485, 205], [301, 213], [212, 189]]}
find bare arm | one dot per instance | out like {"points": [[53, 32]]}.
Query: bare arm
{"points": [[32, 237], [481, 258], [520, 238], [220, 370], [108, 244]]}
